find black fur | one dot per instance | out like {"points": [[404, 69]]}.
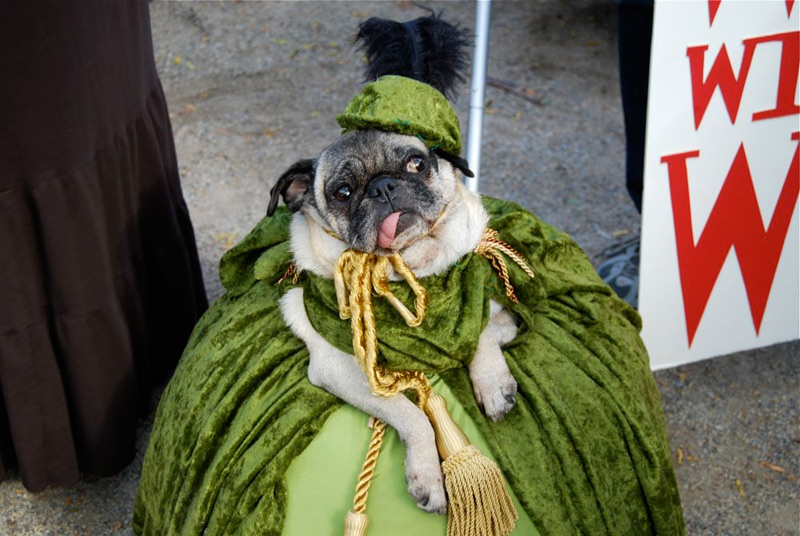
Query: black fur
{"points": [[292, 185], [456, 161], [427, 49]]}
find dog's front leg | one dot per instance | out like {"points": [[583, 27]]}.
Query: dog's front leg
{"points": [[492, 382], [339, 374]]}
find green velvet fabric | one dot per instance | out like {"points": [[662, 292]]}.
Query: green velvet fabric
{"points": [[406, 106], [584, 449]]}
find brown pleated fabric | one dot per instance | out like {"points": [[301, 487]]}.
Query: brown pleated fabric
{"points": [[100, 282]]}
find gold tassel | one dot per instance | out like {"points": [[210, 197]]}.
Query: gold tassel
{"points": [[479, 503], [355, 523]]}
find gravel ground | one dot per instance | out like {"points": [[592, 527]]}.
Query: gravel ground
{"points": [[254, 86]]}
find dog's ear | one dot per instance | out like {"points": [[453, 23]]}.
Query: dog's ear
{"points": [[456, 161], [292, 185]]}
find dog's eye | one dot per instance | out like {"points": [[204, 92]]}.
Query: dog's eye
{"points": [[343, 193], [415, 164]]}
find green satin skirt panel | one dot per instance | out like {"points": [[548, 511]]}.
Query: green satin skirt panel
{"points": [[584, 450], [322, 480]]}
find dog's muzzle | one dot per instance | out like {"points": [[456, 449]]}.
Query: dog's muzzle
{"points": [[383, 189]]}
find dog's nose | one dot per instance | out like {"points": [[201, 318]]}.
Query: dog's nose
{"points": [[384, 188]]}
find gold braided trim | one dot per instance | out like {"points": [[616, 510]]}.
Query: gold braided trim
{"points": [[491, 247], [368, 469], [356, 275], [292, 272]]}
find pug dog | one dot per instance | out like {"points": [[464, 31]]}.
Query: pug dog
{"points": [[386, 193]]}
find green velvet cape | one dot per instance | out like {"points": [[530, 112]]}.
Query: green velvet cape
{"points": [[584, 449]]}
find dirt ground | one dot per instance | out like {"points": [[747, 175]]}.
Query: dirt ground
{"points": [[255, 86]]}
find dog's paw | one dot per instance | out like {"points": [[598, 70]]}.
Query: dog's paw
{"points": [[495, 391], [425, 480]]}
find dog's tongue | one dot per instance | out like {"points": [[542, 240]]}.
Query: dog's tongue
{"points": [[388, 230]]}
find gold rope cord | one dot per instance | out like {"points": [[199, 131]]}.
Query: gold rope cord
{"points": [[368, 469], [490, 247], [356, 520], [356, 275], [292, 272], [479, 501]]}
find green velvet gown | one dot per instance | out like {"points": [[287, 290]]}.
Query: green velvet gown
{"points": [[584, 450]]}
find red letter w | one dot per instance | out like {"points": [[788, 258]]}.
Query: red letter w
{"points": [[734, 222], [731, 86]]}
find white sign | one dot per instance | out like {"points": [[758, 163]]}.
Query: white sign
{"points": [[720, 249]]}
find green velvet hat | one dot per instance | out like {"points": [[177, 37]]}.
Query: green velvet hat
{"points": [[406, 106]]}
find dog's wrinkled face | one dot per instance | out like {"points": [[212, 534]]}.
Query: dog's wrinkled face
{"points": [[378, 191]]}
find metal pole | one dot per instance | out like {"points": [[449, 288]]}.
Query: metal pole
{"points": [[478, 90]]}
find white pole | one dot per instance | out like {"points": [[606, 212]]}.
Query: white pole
{"points": [[478, 90]]}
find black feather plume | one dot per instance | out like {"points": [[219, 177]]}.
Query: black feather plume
{"points": [[427, 49]]}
